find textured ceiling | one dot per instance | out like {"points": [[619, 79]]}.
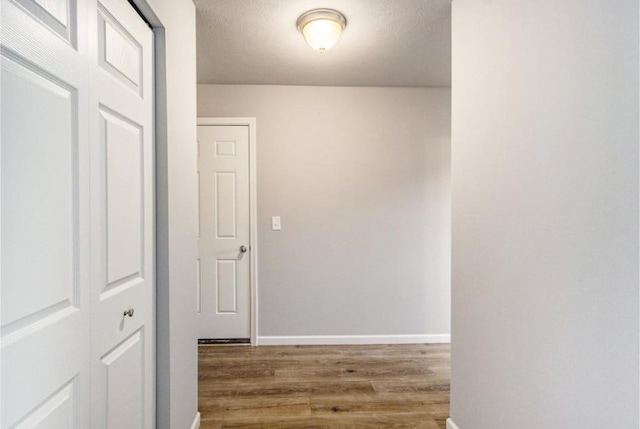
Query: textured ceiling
{"points": [[386, 43]]}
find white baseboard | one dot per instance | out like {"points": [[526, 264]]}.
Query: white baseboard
{"points": [[451, 424], [299, 340], [196, 422]]}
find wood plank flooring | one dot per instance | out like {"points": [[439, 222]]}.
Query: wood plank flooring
{"points": [[288, 387]]}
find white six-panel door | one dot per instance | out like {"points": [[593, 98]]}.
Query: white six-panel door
{"points": [[45, 246], [76, 234], [224, 303]]}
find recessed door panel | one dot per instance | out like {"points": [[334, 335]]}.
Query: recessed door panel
{"points": [[119, 51], [56, 15], [226, 286], [226, 204], [123, 371], [39, 195], [123, 143], [225, 149], [56, 412], [58, 9]]}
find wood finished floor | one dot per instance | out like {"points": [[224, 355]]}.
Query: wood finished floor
{"points": [[381, 386]]}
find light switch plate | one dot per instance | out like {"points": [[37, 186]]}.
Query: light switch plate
{"points": [[275, 223]]}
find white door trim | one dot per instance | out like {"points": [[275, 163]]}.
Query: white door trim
{"points": [[253, 212]]}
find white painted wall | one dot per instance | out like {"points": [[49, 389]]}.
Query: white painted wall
{"points": [[545, 214], [360, 178], [177, 364]]}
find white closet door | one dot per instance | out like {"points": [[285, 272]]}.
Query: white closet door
{"points": [[123, 275], [44, 218], [76, 202]]}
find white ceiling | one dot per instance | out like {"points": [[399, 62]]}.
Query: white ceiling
{"points": [[386, 43]]}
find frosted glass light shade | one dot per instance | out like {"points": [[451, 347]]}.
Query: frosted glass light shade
{"points": [[321, 28]]}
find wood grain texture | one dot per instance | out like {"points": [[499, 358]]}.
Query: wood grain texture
{"points": [[364, 386]]}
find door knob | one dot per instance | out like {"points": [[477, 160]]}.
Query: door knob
{"points": [[243, 249], [129, 312]]}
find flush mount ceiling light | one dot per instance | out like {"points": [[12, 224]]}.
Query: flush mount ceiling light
{"points": [[321, 28]]}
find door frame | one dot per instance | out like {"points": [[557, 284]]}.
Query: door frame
{"points": [[160, 177], [253, 211]]}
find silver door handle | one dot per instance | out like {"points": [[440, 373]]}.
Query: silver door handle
{"points": [[129, 312], [243, 249]]}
